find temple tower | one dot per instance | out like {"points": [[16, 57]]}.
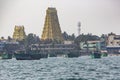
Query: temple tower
{"points": [[51, 30], [19, 33]]}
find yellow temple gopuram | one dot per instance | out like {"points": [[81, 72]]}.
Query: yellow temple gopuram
{"points": [[51, 30], [19, 33]]}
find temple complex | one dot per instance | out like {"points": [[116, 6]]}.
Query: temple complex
{"points": [[19, 33], [51, 30]]}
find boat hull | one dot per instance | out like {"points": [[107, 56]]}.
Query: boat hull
{"points": [[5, 56], [23, 56], [104, 54], [73, 54], [96, 55]]}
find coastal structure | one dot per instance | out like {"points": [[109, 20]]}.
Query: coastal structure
{"points": [[51, 30], [19, 33]]}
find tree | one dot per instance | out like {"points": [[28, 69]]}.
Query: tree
{"points": [[65, 36], [73, 36], [85, 38], [9, 38], [68, 37], [2, 38], [31, 39]]}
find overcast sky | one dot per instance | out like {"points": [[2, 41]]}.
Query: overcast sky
{"points": [[96, 16]]}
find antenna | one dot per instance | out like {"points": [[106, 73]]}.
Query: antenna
{"points": [[51, 3], [79, 28]]}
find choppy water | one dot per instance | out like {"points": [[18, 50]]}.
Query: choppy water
{"points": [[82, 68]]}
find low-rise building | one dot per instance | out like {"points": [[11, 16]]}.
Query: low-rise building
{"points": [[90, 45], [113, 43], [93, 45], [113, 40], [68, 42], [53, 47], [9, 47]]}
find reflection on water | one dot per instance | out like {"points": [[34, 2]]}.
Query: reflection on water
{"points": [[82, 68]]}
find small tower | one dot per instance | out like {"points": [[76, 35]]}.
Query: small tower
{"points": [[19, 33], [51, 30], [79, 28]]}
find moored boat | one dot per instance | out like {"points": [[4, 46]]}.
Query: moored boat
{"points": [[74, 53], [95, 54], [5, 55], [52, 54], [22, 55], [104, 54], [35, 56], [44, 55]]}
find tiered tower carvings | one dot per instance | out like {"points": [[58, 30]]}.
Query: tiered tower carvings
{"points": [[19, 33], [51, 30]]}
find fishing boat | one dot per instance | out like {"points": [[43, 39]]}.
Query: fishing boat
{"points": [[104, 53], [5, 55], [22, 55], [52, 54], [74, 53], [96, 54]]}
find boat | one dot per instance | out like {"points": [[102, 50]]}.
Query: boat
{"points": [[74, 53], [35, 56], [96, 54], [22, 55], [61, 54], [52, 54], [44, 55], [5, 55], [104, 54]]}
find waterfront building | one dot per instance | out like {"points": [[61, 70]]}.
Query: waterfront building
{"points": [[68, 42], [54, 47], [65, 50], [19, 33], [51, 30], [90, 45], [113, 43], [113, 40], [9, 47], [1, 46], [103, 42]]}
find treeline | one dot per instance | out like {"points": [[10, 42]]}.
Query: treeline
{"points": [[33, 39]]}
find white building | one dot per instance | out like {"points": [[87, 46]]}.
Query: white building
{"points": [[113, 40], [113, 43]]}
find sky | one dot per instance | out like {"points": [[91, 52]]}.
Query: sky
{"points": [[96, 16]]}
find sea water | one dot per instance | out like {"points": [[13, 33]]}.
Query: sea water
{"points": [[82, 68]]}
